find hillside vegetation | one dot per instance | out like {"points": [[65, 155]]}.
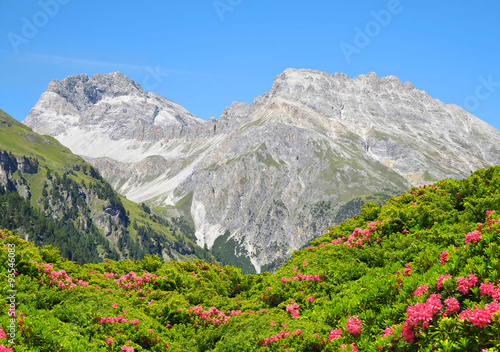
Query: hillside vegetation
{"points": [[50, 196], [419, 273]]}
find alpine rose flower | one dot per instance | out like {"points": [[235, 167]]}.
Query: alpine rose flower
{"points": [[408, 269], [354, 325], [472, 237], [334, 334], [443, 257]]}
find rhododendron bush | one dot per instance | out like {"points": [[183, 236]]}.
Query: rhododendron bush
{"points": [[418, 273]]}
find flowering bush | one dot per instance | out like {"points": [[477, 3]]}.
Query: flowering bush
{"points": [[367, 282]]}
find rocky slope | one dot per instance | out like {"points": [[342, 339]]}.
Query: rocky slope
{"points": [[65, 202], [267, 177]]}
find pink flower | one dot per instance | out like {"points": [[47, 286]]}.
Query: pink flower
{"points": [[388, 332], [334, 334], [464, 283], [443, 257], [125, 311], [127, 349], [421, 290], [354, 325], [273, 323], [408, 269], [487, 289], [109, 341], [2, 334], [452, 306], [310, 299], [480, 317], [442, 279], [114, 305], [472, 237], [5, 349], [305, 263]]}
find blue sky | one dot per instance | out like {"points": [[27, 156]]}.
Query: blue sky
{"points": [[205, 54]]}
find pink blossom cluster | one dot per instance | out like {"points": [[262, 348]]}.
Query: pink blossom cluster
{"points": [[310, 299], [334, 334], [132, 280], [421, 290], [359, 236], [301, 277], [109, 341], [443, 258], [127, 349], [59, 278], [281, 335], [388, 332], [293, 310], [118, 319], [474, 236], [420, 312], [338, 240], [109, 274], [5, 349], [442, 279], [354, 325], [488, 289], [408, 269], [212, 315], [2, 334], [480, 317], [452, 306], [464, 283]]}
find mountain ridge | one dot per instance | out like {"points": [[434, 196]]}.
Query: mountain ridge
{"points": [[260, 169]]}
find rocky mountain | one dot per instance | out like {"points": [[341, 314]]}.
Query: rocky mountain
{"points": [[267, 177], [53, 197]]}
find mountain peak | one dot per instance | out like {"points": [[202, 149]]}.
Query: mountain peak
{"points": [[112, 103], [83, 91]]}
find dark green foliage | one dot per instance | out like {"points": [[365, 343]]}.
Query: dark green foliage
{"points": [[365, 279], [225, 249], [16, 213]]}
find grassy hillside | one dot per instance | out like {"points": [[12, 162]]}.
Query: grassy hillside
{"points": [[67, 194], [418, 273]]}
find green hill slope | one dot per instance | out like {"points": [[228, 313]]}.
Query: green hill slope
{"points": [[419, 273], [53, 197]]}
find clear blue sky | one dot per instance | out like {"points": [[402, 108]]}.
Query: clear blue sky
{"points": [[211, 53]]}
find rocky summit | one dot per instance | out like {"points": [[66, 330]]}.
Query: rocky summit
{"points": [[268, 177]]}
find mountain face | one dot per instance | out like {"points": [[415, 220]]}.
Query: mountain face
{"points": [[268, 177], [53, 197]]}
